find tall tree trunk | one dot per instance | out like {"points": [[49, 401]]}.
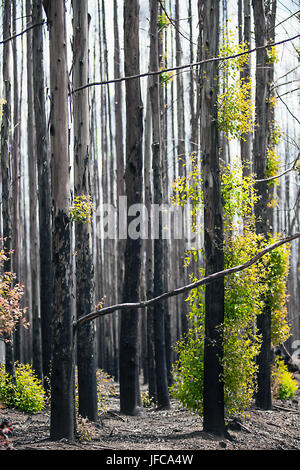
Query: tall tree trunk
{"points": [[120, 170], [159, 309], [33, 208], [129, 364], [15, 151], [149, 250], [6, 167], [245, 76], [181, 157], [86, 359], [260, 143], [110, 161], [44, 189], [213, 394], [193, 85], [62, 366]]}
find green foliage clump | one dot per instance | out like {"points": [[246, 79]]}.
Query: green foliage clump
{"points": [[235, 109], [276, 269], [105, 389], [241, 341], [25, 393], [273, 166], [165, 77], [163, 22], [245, 294], [284, 386], [82, 209], [238, 194], [147, 401], [272, 55], [188, 371], [85, 429], [242, 306]]}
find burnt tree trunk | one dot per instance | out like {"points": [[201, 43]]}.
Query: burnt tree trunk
{"points": [[44, 188], [260, 143], [213, 393], [149, 250], [33, 208], [158, 281], [86, 358], [245, 36], [6, 168], [129, 364], [62, 422]]}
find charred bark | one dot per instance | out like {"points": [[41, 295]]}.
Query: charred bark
{"points": [[44, 188], [213, 393], [129, 364], [86, 359], [62, 419]]}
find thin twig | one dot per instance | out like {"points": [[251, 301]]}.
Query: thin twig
{"points": [[292, 114], [22, 32], [289, 92], [174, 24]]}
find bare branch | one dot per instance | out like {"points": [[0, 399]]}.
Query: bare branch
{"points": [[291, 113], [181, 67], [174, 24], [292, 168], [187, 288], [22, 32]]}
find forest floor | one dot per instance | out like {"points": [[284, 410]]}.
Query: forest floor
{"points": [[172, 430]]}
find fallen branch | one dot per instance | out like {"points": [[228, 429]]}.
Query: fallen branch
{"points": [[184, 289], [282, 408]]}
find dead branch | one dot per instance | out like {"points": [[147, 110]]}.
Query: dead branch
{"points": [[186, 288], [22, 32], [181, 67]]}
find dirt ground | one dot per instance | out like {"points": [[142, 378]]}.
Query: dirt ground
{"points": [[172, 430]]}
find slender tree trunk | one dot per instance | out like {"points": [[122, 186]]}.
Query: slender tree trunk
{"points": [[15, 149], [213, 394], [245, 76], [181, 155], [111, 274], [163, 103], [120, 170], [33, 207], [44, 189], [149, 250], [129, 364], [6, 167], [159, 309], [15, 153], [271, 16], [193, 85], [62, 367], [86, 359], [260, 143]]}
